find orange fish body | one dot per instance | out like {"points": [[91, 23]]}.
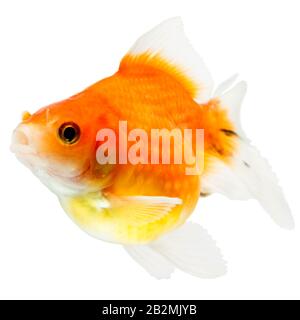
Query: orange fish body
{"points": [[149, 98], [141, 203]]}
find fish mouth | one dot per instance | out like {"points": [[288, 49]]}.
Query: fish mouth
{"points": [[20, 142], [23, 151], [27, 156]]}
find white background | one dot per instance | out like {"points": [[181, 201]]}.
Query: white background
{"points": [[52, 49]]}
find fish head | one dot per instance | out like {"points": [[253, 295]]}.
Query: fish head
{"points": [[58, 142]]}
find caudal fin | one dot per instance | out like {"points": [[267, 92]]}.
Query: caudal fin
{"points": [[248, 175], [188, 248]]}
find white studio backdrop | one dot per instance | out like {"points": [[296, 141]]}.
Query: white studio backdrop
{"points": [[50, 50]]}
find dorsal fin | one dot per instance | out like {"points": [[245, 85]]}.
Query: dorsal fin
{"points": [[166, 47]]}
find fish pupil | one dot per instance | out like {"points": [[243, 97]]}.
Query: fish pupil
{"points": [[69, 133]]}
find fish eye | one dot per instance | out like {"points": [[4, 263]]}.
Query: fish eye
{"points": [[69, 132]]}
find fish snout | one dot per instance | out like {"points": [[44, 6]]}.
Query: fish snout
{"points": [[21, 140]]}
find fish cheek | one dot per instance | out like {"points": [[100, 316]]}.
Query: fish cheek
{"points": [[63, 159]]}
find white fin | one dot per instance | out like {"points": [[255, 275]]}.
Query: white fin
{"points": [[257, 175], [140, 210], [168, 41], [248, 175], [232, 102], [153, 262], [189, 248], [225, 85], [222, 178]]}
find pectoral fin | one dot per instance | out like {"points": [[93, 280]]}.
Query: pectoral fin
{"points": [[123, 219], [141, 210]]}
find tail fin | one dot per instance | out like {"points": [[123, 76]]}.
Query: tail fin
{"points": [[189, 248], [248, 175]]}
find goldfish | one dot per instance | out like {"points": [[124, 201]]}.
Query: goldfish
{"points": [[81, 147]]}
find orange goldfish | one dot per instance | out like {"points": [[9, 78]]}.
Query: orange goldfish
{"points": [[161, 84]]}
